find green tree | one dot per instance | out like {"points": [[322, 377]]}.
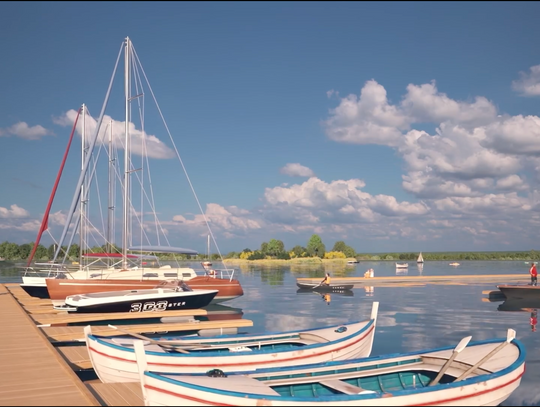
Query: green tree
{"points": [[232, 255], [275, 247], [349, 251], [315, 247], [299, 251], [74, 251], [339, 246], [264, 248], [25, 250], [41, 253], [3, 247], [11, 251], [50, 251], [256, 255]]}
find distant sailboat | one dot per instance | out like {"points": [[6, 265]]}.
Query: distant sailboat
{"points": [[420, 258]]}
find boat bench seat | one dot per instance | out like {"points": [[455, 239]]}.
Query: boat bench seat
{"points": [[344, 387]]}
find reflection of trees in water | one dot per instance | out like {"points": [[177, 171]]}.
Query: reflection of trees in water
{"points": [[273, 277], [9, 270], [319, 270]]}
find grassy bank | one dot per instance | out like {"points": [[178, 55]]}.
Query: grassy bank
{"points": [[308, 261]]}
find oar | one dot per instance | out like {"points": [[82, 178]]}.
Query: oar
{"points": [[145, 338], [510, 336], [460, 346]]}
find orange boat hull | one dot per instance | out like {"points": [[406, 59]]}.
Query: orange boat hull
{"points": [[59, 289]]}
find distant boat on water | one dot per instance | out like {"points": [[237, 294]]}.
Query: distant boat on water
{"points": [[420, 258], [402, 265]]}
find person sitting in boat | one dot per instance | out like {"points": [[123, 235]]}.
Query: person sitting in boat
{"points": [[326, 281], [533, 273]]}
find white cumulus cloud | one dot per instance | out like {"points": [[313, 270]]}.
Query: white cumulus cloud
{"points": [[23, 130], [14, 211], [528, 83], [142, 143], [297, 170]]}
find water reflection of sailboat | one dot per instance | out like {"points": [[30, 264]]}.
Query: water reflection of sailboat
{"points": [[420, 267]]}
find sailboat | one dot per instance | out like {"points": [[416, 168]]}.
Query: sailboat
{"points": [[129, 266], [420, 258]]}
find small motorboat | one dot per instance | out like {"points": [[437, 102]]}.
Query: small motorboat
{"points": [[483, 373], [324, 287], [453, 264], [145, 300], [402, 265]]}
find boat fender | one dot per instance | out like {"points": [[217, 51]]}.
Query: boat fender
{"points": [[341, 329], [216, 373]]}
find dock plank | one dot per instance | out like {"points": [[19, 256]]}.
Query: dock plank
{"points": [[76, 333], [32, 372], [118, 394]]}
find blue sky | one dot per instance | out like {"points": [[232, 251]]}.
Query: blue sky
{"points": [[393, 126]]}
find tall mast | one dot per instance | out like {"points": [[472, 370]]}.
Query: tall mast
{"points": [[125, 231], [110, 217], [82, 204]]}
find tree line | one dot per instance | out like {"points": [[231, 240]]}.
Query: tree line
{"points": [[273, 249]]}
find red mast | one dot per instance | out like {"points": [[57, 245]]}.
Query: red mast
{"points": [[45, 221]]}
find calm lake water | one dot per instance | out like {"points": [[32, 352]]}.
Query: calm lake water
{"points": [[410, 318]]}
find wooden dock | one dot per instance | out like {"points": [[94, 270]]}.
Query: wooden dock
{"points": [[34, 372], [400, 280]]}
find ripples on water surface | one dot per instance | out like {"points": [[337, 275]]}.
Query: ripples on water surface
{"points": [[411, 318]]}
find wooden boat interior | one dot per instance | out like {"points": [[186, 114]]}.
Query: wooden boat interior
{"points": [[371, 377]]}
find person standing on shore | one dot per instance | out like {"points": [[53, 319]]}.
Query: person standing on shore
{"points": [[533, 273]]}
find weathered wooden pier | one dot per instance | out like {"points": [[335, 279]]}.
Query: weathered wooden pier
{"points": [[35, 372]]}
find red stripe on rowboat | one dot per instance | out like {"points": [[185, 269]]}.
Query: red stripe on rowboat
{"points": [[215, 365], [202, 401], [434, 403], [183, 396]]}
